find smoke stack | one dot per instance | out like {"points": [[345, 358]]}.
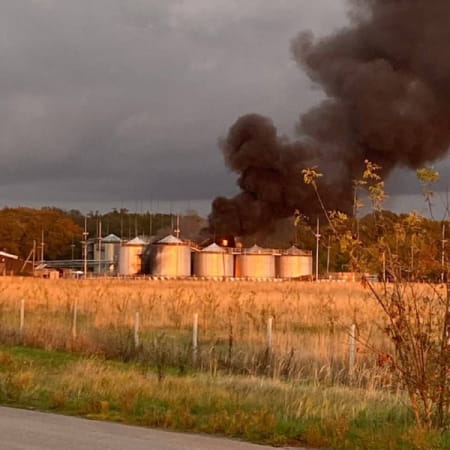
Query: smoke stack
{"points": [[387, 81]]}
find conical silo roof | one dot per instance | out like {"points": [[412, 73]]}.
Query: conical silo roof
{"points": [[213, 248], [256, 249], [294, 251], [111, 239], [136, 241], [170, 239]]}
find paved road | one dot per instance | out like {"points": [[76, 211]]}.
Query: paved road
{"points": [[31, 430]]}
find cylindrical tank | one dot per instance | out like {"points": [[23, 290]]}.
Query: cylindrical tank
{"points": [[170, 257], [294, 263], [130, 259], [255, 262], [106, 254], [111, 245], [213, 261]]}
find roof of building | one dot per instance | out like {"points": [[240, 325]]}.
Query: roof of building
{"points": [[8, 255], [213, 248], [170, 239], [136, 241], [111, 238], [293, 251], [256, 249]]}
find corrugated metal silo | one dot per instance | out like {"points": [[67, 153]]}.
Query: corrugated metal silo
{"points": [[106, 253], [255, 262], [294, 263], [170, 257], [111, 245], [130, 259], [213, 261]]}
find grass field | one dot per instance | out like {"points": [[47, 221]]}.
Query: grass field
{"points": [[297, 389], [257, 409], [310, 335]]}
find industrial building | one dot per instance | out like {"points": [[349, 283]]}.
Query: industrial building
{"points": [[174, 258], [8, 263], [294, 263], [130, 256], [105, 253], [213, 261], [170, 257]]}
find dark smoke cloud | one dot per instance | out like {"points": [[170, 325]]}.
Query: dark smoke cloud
{"points": [[387, 82]]}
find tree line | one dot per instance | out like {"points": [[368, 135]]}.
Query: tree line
{"points": [[23, 228]]}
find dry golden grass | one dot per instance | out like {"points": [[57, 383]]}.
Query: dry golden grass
{"points": [[259, 409], [310, 321]]}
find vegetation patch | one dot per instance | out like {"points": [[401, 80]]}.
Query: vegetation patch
{"points": [[255, 409]]}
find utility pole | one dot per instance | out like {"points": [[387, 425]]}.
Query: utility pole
{"points": [[177, 228], [42, 246], [328, 255], [34, 255], [72, 247], [99, 245], [355, 211], [85, 252], [317, 248], [443, 253], [121, 224]]}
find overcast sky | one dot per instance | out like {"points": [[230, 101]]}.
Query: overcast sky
{"points": [[120, 102]]}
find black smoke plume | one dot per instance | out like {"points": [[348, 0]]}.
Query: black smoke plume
{"points": [[387, 82]]}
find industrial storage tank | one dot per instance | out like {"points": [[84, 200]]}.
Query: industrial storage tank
{"points": [[255, 262], [111, 246], [294, 263], [213, 261], [130, 259], [170, 257], [106, 253]]}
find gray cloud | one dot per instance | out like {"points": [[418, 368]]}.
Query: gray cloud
{"points": [[125, 101]]}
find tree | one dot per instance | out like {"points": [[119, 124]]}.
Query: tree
{"points": [[19, 227], [417, 315]]}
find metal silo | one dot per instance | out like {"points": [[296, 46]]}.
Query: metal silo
{"points": [[111, 245], [130, 259], [106, 253], [294, 263], [170, 257], [255, 262], [213, 261]]}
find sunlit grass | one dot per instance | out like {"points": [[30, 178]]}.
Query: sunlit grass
{"points": [[310, 334], [257, 409]]}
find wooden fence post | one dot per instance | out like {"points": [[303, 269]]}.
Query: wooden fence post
{"points": [[74, 319], [195, 339], [269, 333], [351, 350], [136, 330], [22, 317]]}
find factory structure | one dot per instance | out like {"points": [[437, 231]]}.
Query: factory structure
{"points": [[172, 257]]}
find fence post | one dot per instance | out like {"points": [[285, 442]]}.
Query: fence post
{"points": [[136, 330], [269, 333], [351, 350], [74, 319], [22, 317], [195, 339]]}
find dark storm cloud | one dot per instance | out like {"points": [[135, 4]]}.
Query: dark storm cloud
{"points": [[387, 83], [122, 99]]}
